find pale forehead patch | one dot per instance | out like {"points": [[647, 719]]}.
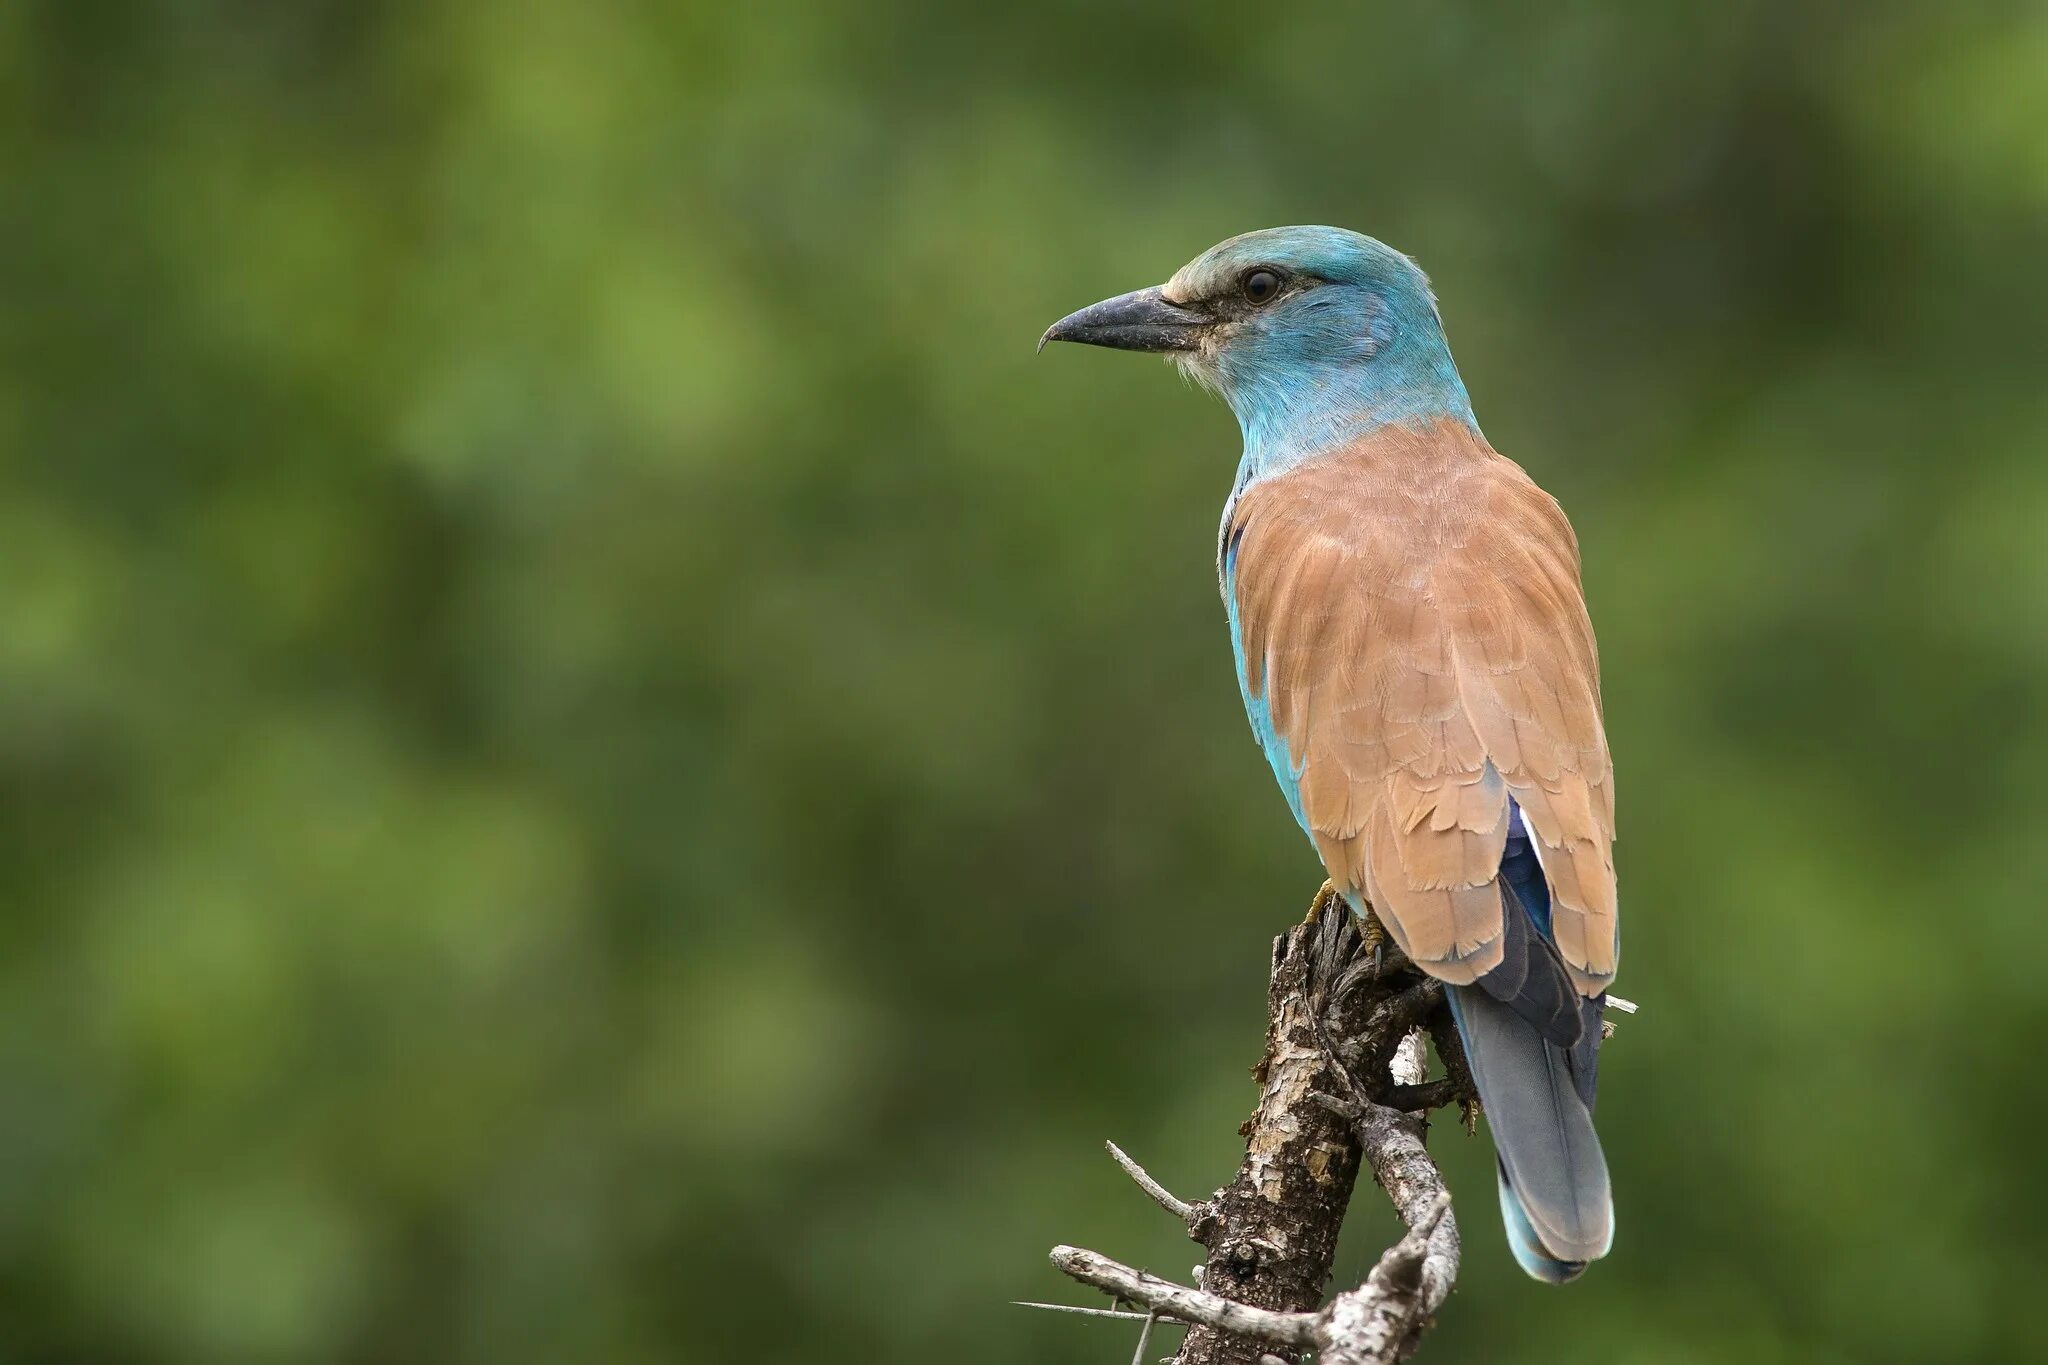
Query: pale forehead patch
{"points": [[1217, 268]]}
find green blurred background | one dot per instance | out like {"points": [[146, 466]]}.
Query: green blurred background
{"points": [[590, 747]]}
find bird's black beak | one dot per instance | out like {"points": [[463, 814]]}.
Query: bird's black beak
{"points": [[1141, 320]]}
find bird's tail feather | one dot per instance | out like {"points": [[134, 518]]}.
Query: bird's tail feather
{"points": [[1537, 1096]]}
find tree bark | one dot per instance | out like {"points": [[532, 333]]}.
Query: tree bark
{"points": [[1271, 1234]]}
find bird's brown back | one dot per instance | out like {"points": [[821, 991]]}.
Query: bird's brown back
{"points": [[1410, 612]]}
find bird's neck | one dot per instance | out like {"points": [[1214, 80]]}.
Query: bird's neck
{"points": [[1292, 410]]}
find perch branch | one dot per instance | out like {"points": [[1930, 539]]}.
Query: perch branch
{"points": [[1343, 1085]]}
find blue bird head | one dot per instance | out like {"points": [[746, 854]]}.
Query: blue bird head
{"points": [[1311, 334]]}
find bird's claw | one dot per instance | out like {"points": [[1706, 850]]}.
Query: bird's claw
{"points": [[1374, 936]]}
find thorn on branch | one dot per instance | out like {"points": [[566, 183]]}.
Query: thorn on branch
{"points": [[1083, 1312]]}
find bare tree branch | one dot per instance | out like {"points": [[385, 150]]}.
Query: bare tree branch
{"points": [[1381, 1320], [1343, 1083], [1384, 1319]]}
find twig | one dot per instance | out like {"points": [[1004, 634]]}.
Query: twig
{"points": [[1188, 1305], [1144, 1339], [1416, 1099], [1164, 1198]]}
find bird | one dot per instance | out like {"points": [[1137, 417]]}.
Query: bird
{"points": [[1417, 661]]}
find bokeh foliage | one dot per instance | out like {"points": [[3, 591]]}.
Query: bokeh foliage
{"points": [[590, 747]]}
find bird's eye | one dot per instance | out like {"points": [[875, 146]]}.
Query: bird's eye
{"points": [[1260, 286]]}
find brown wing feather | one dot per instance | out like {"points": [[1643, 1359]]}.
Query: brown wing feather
{"points": [[1411, 613]]}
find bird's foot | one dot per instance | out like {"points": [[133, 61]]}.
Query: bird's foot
{"points": [[1323, 899]]}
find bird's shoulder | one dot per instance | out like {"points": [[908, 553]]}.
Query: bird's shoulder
{"points": [[1435, 494]]}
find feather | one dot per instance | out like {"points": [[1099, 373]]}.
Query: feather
{"points": [[1531, 979], [1551, 1166]]}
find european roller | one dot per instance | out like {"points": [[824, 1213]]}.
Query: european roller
{"points": [[1414, 651]]}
